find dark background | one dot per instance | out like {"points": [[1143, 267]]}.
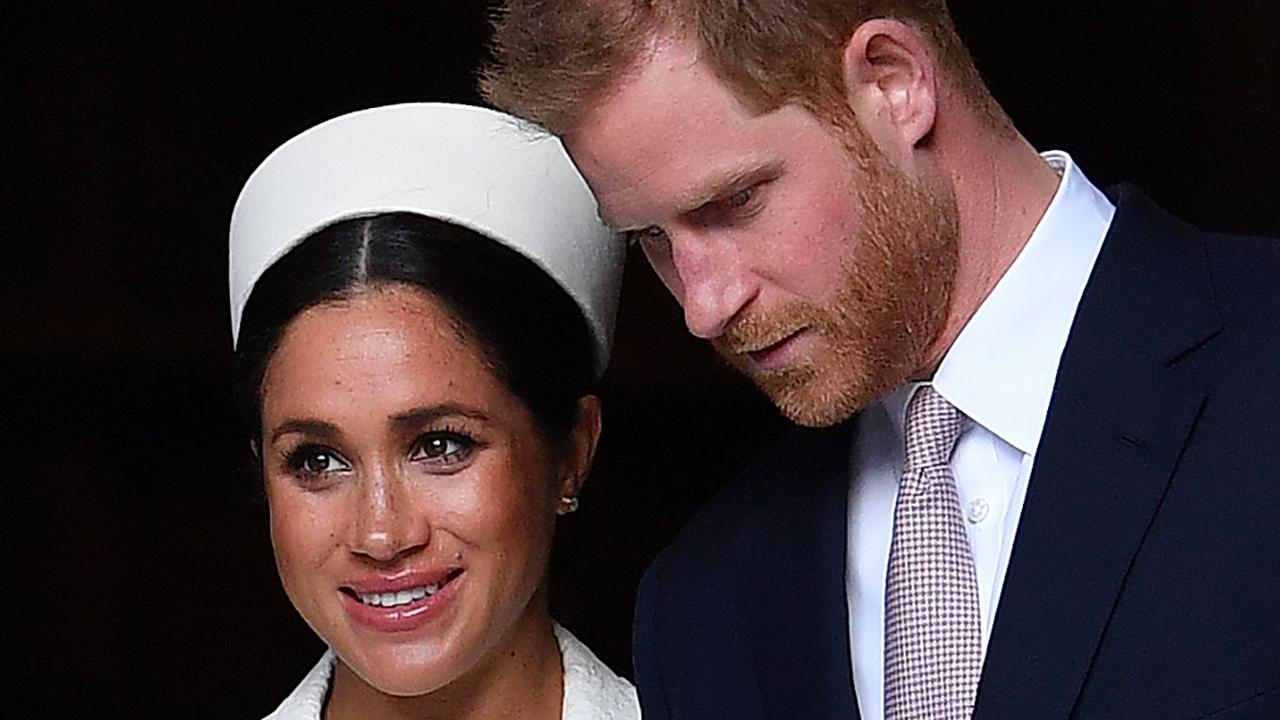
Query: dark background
{"points": [[144, 584]]}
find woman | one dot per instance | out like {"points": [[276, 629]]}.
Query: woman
{"points": [[422, 299]]}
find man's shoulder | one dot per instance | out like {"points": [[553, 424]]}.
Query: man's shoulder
{"points": [[1244, 270], [791, 470], [1231, 256], [761, 558], [1169, 265]]}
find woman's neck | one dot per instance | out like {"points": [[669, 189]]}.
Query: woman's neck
{"points": [[521, 678]]}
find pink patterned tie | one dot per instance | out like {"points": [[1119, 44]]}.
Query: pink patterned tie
{"points": [[933, 635]]}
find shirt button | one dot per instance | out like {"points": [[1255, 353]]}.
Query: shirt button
{"points": [[978, 510]]}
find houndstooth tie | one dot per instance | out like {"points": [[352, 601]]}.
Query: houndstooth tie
{"points": [[933, 636]]}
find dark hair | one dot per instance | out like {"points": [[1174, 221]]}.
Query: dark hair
{"points": [[531, 332]]}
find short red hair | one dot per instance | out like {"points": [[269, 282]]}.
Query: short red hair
{"points": [[551, 58]]}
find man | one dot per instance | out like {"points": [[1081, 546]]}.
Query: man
{"points": [[1040, 479]]}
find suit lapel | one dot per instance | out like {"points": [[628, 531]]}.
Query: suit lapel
{"points": [[793, 597], [1120, 417]]}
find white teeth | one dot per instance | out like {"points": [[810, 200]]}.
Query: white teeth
{"points": [[395, 599]]}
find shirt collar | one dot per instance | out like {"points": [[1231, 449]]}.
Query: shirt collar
{"points": [[1000, 370], [307, 701]]}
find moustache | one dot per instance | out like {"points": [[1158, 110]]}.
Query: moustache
{"points": [[757, 331]]}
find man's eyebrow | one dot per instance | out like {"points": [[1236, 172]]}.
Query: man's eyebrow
{"points": [[724, 182], [417, 417], [306, 426], [713, 188], [613, 224]]}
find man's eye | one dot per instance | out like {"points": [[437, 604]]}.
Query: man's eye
{"points": [[741, 198], [649, 237], [443, 448]]}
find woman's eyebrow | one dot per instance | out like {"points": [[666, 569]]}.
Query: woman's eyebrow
{"points": [[417, 417], [306, 426]]}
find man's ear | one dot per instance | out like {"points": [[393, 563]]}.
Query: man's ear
{"points": [[891, 82], [582, 446]]}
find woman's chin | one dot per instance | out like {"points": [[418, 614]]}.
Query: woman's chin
{"points": [[407, 651], [404, 671]]}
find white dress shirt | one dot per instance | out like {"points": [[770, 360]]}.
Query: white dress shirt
{"points": [[591, 690], [999, 372]]}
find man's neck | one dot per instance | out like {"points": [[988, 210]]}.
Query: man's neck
{"points": [[1003, 188]]}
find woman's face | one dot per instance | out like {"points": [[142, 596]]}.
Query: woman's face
{"points": [[412, 499]]}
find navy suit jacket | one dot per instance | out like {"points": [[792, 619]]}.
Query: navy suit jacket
{"points": [[1144, 580]]}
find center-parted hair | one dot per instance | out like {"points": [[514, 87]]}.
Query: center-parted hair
{"points": [[553, 58], [532, 334]]}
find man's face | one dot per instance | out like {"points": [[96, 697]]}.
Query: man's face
{"points": [[812, 263]]}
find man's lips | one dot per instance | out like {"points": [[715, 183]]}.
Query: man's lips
{"points": [[773, 354]]}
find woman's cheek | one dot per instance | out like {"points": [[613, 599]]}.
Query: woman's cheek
{"points": [[474, 500], [306, 527], [497, 510]]}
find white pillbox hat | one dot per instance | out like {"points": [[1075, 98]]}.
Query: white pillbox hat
{"points": [[472, 166]]}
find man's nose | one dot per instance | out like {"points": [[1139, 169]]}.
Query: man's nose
{"points": [[388, 526], [713, 285]]}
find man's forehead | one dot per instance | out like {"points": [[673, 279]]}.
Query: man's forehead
{"points": [[666, 131], [665, 75]]}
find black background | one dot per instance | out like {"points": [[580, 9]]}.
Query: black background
{"points": [[142, 581]]}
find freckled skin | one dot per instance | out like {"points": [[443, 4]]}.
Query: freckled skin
{"points": [[355, 365], [832, 247], [672, 127]]}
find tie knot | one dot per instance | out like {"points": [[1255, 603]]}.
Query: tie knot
{"points": [[933, 426]]}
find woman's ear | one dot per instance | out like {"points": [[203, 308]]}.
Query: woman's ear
{"points": [[582, 447], [891, 82]]}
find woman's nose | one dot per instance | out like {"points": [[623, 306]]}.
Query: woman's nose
{"points": [[388, 526]]}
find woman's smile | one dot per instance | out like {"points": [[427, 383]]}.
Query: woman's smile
{"points": [[403, 603]]}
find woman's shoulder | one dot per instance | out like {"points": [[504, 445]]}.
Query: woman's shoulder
{"points": [[591, 690], [306, 702]]}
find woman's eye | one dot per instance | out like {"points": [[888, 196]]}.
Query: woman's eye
{"points": [[443, 449], [318, 462], [312, 461]]}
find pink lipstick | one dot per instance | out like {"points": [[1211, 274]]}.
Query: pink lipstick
{"points": [[403, 601]]}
